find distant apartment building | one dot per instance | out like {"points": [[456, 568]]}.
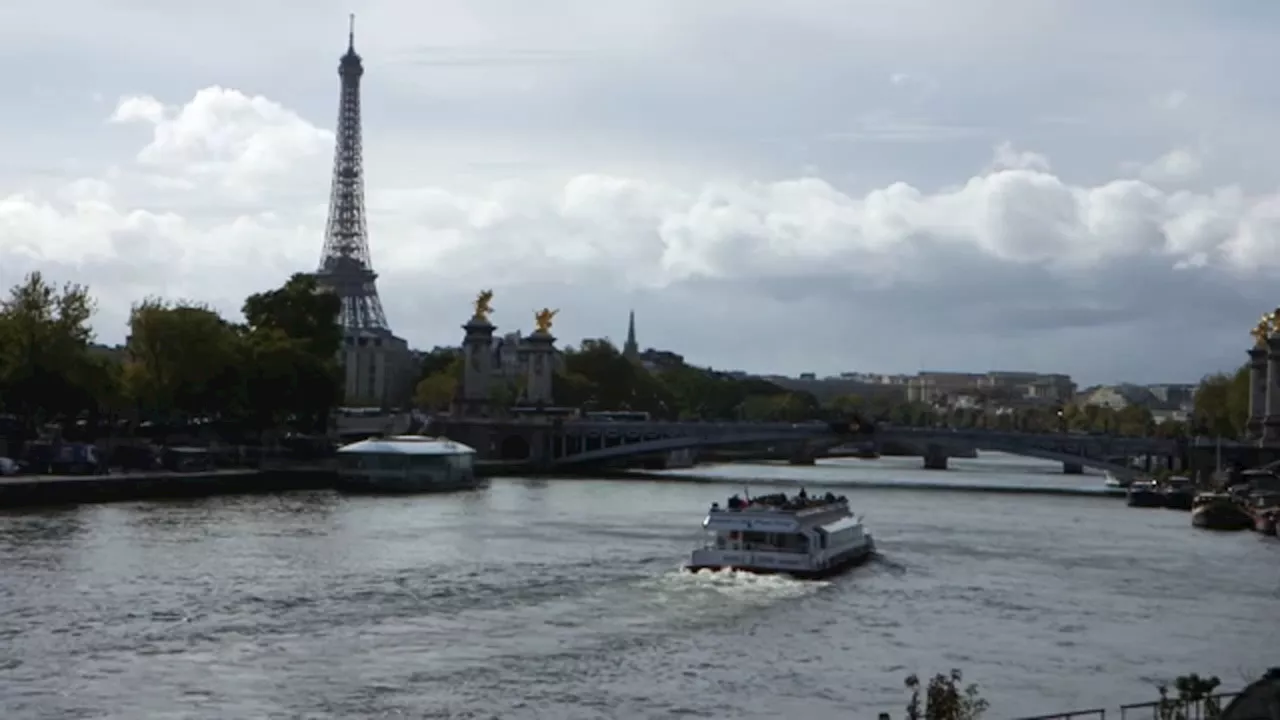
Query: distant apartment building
{"points": [[660, 360], [1166, 402], [1173, 394], [931, 387], [826, 389], [875, 378], [971, 389]]}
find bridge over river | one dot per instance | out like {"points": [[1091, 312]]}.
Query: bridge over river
{"points": [[564, 443]]}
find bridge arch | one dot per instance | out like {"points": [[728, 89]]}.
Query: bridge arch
{"points": [[514, 447], [1067, 458]]}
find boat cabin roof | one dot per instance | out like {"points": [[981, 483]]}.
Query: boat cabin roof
{"points": [[777, 513], [407, 445], [838, 525]]}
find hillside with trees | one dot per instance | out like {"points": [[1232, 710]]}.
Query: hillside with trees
{"points": [[277, 366], [596, 376]]}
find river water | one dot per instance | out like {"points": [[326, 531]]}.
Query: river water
{"points": [[561, 599]]}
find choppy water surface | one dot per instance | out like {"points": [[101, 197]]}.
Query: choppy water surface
{"points": [[561, 599]]}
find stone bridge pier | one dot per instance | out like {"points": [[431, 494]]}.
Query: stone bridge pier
{"points": [[935, 457], [803, 454]]}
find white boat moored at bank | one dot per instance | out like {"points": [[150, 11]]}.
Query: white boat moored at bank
{"points": [[406, 464]]}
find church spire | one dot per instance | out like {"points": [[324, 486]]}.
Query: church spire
{"points": [[631, 350]]}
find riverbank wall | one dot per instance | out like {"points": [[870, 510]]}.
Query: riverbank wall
{"points": [[38, 490], [25, 491]]}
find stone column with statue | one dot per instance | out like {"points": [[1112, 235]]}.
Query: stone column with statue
{"points": [[1271, 418], [540, 346], [1258, 377], [473, 398]]}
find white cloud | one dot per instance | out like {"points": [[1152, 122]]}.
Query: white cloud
{"points": [[1176, 166], [243, 141], [611, 233], [1007, 158], [1172, 100], [740, 172]]}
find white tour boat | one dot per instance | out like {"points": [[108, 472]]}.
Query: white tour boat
{"points": [[406, 464], [803, 536]]}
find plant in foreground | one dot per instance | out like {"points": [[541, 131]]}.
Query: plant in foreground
{"points": [[945, 698], [1194, 700]]}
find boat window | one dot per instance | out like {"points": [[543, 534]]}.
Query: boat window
{"points": [[374, 461], [426, 462]]}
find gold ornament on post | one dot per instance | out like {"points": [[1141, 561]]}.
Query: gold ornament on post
{"points": [[1269, 325], [1262, 330], [542, 320], [483, 306]]}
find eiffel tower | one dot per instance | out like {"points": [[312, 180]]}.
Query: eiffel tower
{"points": [[345, 265]]}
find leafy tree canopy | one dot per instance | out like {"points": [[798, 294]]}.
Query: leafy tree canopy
{"points": [[182, 361]]}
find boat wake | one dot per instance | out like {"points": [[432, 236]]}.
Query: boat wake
{"points": [[892, 566], [738, 584]]}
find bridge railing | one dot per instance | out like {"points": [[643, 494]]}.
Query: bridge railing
{"points": [[697, 427], [1099, 713], [1209, 708], [1110, 442]]}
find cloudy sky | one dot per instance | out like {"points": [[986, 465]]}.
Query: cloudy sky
{"points": [[815, 185]]}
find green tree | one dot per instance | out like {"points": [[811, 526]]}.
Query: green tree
{"points": [[571, 389], [301, 311], [436, 391], [780, 407], [186, 361], [100, 381], [1222, 404], [1134, 421], [45, 368], [846, 405], [293, 339], [615, 383], [438, 360]]}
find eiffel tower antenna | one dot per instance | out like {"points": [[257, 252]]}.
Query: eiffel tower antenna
{"points": [[345, 265]]}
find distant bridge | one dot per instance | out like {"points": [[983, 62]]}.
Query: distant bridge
{"points": [[1074, 451], [558, 443]]}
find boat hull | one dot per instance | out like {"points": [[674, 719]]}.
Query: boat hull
{"points": [[1144, 498], [1265, 524], [1224, 515], [842, 564], [1179, 500], [364, 485], [1265, 519]]}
